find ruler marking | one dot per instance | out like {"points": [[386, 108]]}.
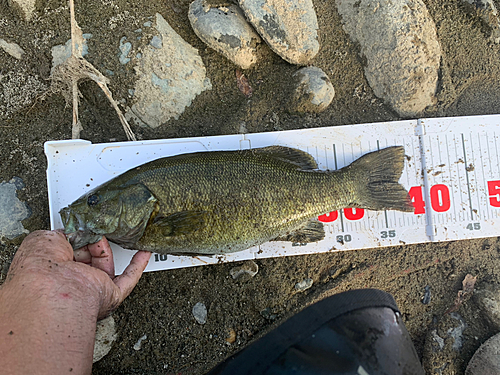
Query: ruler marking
{"points": [[496, 151], [341, 214], [461, 213], [449, 169], [494, 175], [326, 158], [467, 177], [474, 166], [428, 214], [385, 211], [482, 169], [335, 157]]}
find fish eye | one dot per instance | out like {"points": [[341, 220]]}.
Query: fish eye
{"points": [[92, 200]]}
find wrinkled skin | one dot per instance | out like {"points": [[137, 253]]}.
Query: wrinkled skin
{"points": [[52, 299]]}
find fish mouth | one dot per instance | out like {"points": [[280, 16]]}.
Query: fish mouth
{"points": [[75, 229]]}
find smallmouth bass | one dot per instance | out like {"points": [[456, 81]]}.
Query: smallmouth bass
{"points": [[226, 201]]}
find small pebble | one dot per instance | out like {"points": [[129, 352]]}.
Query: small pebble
{"points": [[304, 285], [267, 313], [200, 313], [12, 49], [426, 299], [231, 338], [105, 336], [12, 210], [137, 345], [313, 91], [245, 272]]}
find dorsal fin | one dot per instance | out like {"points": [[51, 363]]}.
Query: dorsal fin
{"points": [[300, 158]]}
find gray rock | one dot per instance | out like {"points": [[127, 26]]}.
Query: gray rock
{"points": [[289, 27], [304, 285], [12, 210], [125, 48], [62, 52], [170, 77], [24, 8], [398, 40], [105, 336], [245, 272], [313, 91], [489, 13], [12, 49], [200, 313], [488, 300], [486, 360], [226, 30]]}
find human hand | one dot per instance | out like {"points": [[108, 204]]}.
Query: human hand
{"points": [[47, 259], [51, 300]]}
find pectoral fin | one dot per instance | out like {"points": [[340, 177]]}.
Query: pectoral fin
{"points": [[178, 223], [312, 231]]}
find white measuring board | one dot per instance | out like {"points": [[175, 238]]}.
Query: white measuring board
{"points": [[452, 171]]}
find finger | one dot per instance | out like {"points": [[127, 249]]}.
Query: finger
{"points": [[83, 255], [130, 277], [47, 244], [102, 256]]}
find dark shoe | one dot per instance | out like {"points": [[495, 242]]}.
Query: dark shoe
{"points": [[359, 332]]}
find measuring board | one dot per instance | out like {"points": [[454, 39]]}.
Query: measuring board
{"points": [[452, 172]]}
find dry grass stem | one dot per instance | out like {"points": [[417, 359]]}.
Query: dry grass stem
{"points": [[65, 78]]}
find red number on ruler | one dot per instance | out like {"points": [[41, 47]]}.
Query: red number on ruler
{"points": [[494, 191], [354, 213], [417, 199], [328, 218], [440, 198]]}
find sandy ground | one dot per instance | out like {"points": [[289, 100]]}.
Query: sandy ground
{"points": [[161, 305]]}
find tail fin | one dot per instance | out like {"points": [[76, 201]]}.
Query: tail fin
{"points": [[378, 173]]}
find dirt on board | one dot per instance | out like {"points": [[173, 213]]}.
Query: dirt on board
{"points": [[239, 312]]}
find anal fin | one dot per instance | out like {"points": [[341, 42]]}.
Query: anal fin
{"points": [[312, 231]]}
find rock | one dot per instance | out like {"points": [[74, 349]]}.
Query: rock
{"points": [[62, 52], [200, 313], [289, 27], [398, 40], [489, 13], [268, 314], [105, 336], [138, 344], [444, 345], [24, 8], [226, 30], [486, 360], [304, 285], [125, 48], [12, 49], [488, 300], [313, 91], [12, 210], [245, 272], [170, 77]]}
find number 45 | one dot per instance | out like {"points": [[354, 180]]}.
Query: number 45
{"points": [[474, 226]]}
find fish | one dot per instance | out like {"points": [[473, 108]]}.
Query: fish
{"points": [[219, 202]]}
